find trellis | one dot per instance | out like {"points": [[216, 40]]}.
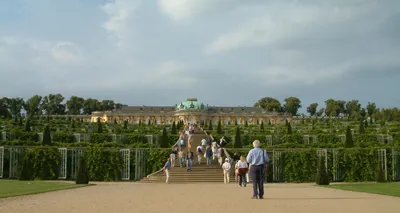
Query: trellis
{"points": [[382, 160], [1, 161], [336, 170], [75, 158], [306, 139], [63, 163], [384, 138], [268, 139], [277, 171], [314, 138], [4, 136], [40, 137], [323, 154], [149, 139], [77, 137], [113, 137], [396, 165], [140, 163], [15, 158], [126, 166]]}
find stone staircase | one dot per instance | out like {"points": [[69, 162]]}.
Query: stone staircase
{"points": [[200, 172]]}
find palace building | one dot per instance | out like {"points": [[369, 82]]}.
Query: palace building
{"points": [[191, 111]]}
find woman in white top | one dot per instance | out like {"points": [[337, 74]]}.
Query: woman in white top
{"points": [[243, 169]]}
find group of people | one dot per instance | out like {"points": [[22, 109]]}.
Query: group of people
{"points": [[254, 164]]}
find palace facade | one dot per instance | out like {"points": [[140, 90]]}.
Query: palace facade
{"points": [[191, 111]]}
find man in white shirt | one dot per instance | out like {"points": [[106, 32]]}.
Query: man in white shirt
{"points": [[226, 167], [214, 149]]}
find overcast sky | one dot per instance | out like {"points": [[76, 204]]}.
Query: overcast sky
{"points": [[224, 52]]}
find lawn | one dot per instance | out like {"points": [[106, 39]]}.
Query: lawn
{"points": [[10, 188], [392, 189]]}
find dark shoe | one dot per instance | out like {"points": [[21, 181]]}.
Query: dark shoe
{"points": [[254, 197], [261, 198]]}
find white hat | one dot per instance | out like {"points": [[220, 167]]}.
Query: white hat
{"points": [[226, 159]]}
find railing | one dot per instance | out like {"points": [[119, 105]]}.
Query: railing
{"points": [[175, 144]]}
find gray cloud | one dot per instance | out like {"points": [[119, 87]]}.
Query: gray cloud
{"points": [[226, 52]]}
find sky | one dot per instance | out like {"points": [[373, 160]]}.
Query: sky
{"points": [[224, 52]]}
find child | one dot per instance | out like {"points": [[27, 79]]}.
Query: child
{"points": [[166, 169]]}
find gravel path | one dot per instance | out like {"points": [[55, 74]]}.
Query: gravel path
{"points": [[193, 198]]}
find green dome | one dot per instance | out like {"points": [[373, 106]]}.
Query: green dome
{"points": [[191, 104]]}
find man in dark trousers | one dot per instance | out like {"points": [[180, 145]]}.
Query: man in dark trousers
{"points": [[258, 160]]}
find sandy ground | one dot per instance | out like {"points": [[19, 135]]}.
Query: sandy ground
{"points": [[193, 198]]}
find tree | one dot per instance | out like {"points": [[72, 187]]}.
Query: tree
{"points": [[322, 173], [238, 139], [349, 138], [210, 127], [353, 107], [115, 121], [75, 105], [82, 176], [73, 124], [173, 129], [334, 107], [33, 106], [371, 107], [47, 136], [262, 125], [292, 105], [236, 122], [320, 112], [312, 109], [362, 131], [27, 167], [28, 125], [90, 105], [99, 126], [246, 124], [164, 139], [269, 104], [363, 113], [380, 175], [52, 104], [289, 128], [219, 127], [366, 124], [125, 124]]}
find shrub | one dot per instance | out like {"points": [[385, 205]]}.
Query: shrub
{"points": [[322, 174], [27, 172], [380, 175], [83, 172]]}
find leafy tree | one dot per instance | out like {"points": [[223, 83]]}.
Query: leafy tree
{"points": [[312, 109], [149, 122], [353, 107], [210, 127], [164, 139], [320, 112], [363, 113], [20, 122], [269, 104], [349, 138], [246, 124], [334, 107], [173, 129], [82, 176], [90, 105], [262, 125], [371, 107], [33, 106], [236, 122], [269, 122], [366, 124], [289, 128], [46, 136], [75, 105], [125, 124], [238, 139], [73, 124], [322, 173], [52, 104], [292, 105], [28, 125], [219, 127], [99, 126], [362, 130]]}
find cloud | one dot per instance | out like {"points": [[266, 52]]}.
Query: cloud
{"points": [[120, 13]]}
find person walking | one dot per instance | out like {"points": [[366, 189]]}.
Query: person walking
{"points": [[258, 160], [208, 155], [226, 167], [189, 160], [243, 168], [166, 169]]}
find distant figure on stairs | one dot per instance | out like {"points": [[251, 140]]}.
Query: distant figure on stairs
{"points": [[219, 156], [189, 160], [209, 154], [173, 156], [166, 169], [222, 142], [199, 150], [181, 157], [226, 168], [214, 149], [204, 142]]}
